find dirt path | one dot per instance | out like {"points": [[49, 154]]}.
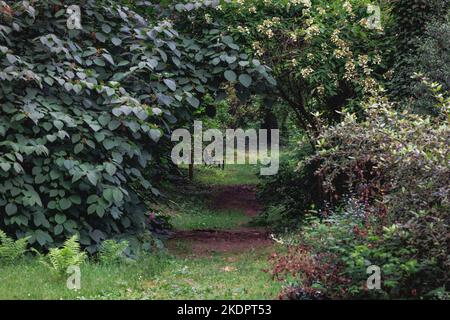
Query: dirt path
{"points": [[240, 198]]}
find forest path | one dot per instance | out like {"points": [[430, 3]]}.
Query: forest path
{"points": [[216, 252], [238, 199], [215, 212]]}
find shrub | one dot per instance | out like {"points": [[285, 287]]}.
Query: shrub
{"points": [[393, 166], [73, 135], [432, 63], [11, 250], [398, 157], [58, 260], [419, 46], [332, 257], [292, 192], [85, 112], [411, 20]]}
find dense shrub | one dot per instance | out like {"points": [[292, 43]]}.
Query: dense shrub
{"points": [[292, 192], [399, 157], [74, 138], [419, 47], [411, 20], [432, 63], [392, 210], [330, 257], [85, 112]]}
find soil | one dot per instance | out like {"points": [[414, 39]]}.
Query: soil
{"points": [[238, 198], [205, 242]]}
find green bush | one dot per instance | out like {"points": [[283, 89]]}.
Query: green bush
{"points": [[417, 45], [85, 112], [432, 63], [411, 20], [387, 177], [331, 258], [324, 55], [291, 193]]}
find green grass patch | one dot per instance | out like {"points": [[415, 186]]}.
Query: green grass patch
{"points": [[30, 279], [218, 277], [191, 211], [155, 277], [236, 174], [207, 219], [190, 206]]}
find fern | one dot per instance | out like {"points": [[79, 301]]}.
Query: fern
{"points": [[11, 250], [112, 251], [70, 254]]}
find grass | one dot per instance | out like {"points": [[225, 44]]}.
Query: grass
{"points": [[168, 275], [30, 279], [155, 277], [218, 277], [188, 208], [208, 219], [235, 174]]}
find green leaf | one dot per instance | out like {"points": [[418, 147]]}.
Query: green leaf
{"points": [[110, 168], [193, 101], [39, 219], [230, 75], [60, 218], [155, 134], [65, 203], [92, 199], [70, 226], [58, 229], [92, 177], [97, 235], [11, 209], [49, 81], [245, 80], [106, 28], [108, 195], [109, 144], [75, 199], [99, 62], [118, 195], [116, 41], [43, 237], [51, 205], [171, 84], [5, 166]]}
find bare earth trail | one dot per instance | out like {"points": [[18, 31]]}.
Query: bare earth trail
{"points": [[240, 198]]}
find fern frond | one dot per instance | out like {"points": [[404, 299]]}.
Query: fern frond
{"points": [[11, 250], [112, 251], [70, 254]]}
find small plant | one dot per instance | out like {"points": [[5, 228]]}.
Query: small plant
{"points": [[11, 250], [70, 254], [112, 251]]}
